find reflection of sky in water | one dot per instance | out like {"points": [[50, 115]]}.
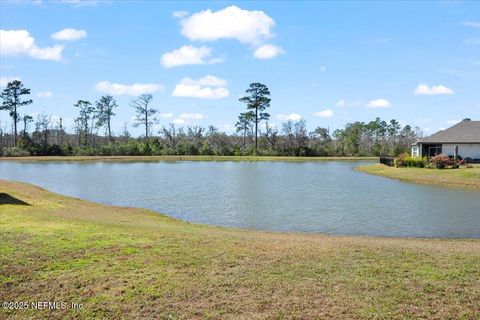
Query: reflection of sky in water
{"points": [[305, 196]]}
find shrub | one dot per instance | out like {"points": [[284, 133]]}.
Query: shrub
{"points": [[405, 160], [16, 152], [441, 161], [401, 160]]}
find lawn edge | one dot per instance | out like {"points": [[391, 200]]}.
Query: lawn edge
{"points": [[367, 169]]}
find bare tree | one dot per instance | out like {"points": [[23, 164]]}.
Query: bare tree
{"points": [[125, 133], [195, 136], [172, 136], [145, 114], [59, 124], [42, 125], [271, 134], [78, 127]]}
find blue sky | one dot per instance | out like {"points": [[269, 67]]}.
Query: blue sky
{"points": [[326, 62]]}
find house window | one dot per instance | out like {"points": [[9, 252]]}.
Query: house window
{"points": [[415, 150], [433, 151]]}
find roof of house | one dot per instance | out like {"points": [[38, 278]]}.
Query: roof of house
{"points": [[462, 132]]}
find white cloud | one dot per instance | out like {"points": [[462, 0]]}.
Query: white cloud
{"points": [[179, 121], [378, 103], [131, 90], [208, 87], [69, 34], [344, 103], [452, 122], [252, 27], [323, 69], [212, 81], [268, 51], [48, 53], [188, 55], [292, 117], [424, 89], [17, 42], [185, 118], [166, 114], [5, 80], [327, 113], [180, 14], [474, 24], [45, 94]]}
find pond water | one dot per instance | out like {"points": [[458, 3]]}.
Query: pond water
{"points": [[325, 197]]}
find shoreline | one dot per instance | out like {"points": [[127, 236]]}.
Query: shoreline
{"points": [[184, 158], [466, 179], [76, 251]]}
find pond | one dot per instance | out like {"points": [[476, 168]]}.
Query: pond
{"points": [[324, 197]]}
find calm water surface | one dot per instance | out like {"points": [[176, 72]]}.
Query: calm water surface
{"points": [[327, 197]]}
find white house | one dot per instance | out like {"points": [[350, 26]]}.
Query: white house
{"points": [[463, 139]]}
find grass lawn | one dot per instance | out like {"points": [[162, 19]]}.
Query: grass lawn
{"points": [[464, 177], [183, 158], [132, 263]]}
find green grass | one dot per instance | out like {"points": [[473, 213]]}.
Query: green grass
{"points": [[468, 178], [183, 158], [132, 263]]}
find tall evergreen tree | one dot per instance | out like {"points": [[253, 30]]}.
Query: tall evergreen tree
{"points": [[257, 100], [104, 110], [12, 100], [244, 123], [85, 112], [26, 119]]}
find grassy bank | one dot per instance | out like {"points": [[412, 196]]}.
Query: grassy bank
{"points": [[464, 178], [183, 158], [132, 263]]}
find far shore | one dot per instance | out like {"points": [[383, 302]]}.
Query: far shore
{"points": [[466, 178], [184, 158]]}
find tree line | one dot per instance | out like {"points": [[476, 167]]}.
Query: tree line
{"points": [[292, 138]]}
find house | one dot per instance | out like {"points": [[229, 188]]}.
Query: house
{"points": [[463, 139]]}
